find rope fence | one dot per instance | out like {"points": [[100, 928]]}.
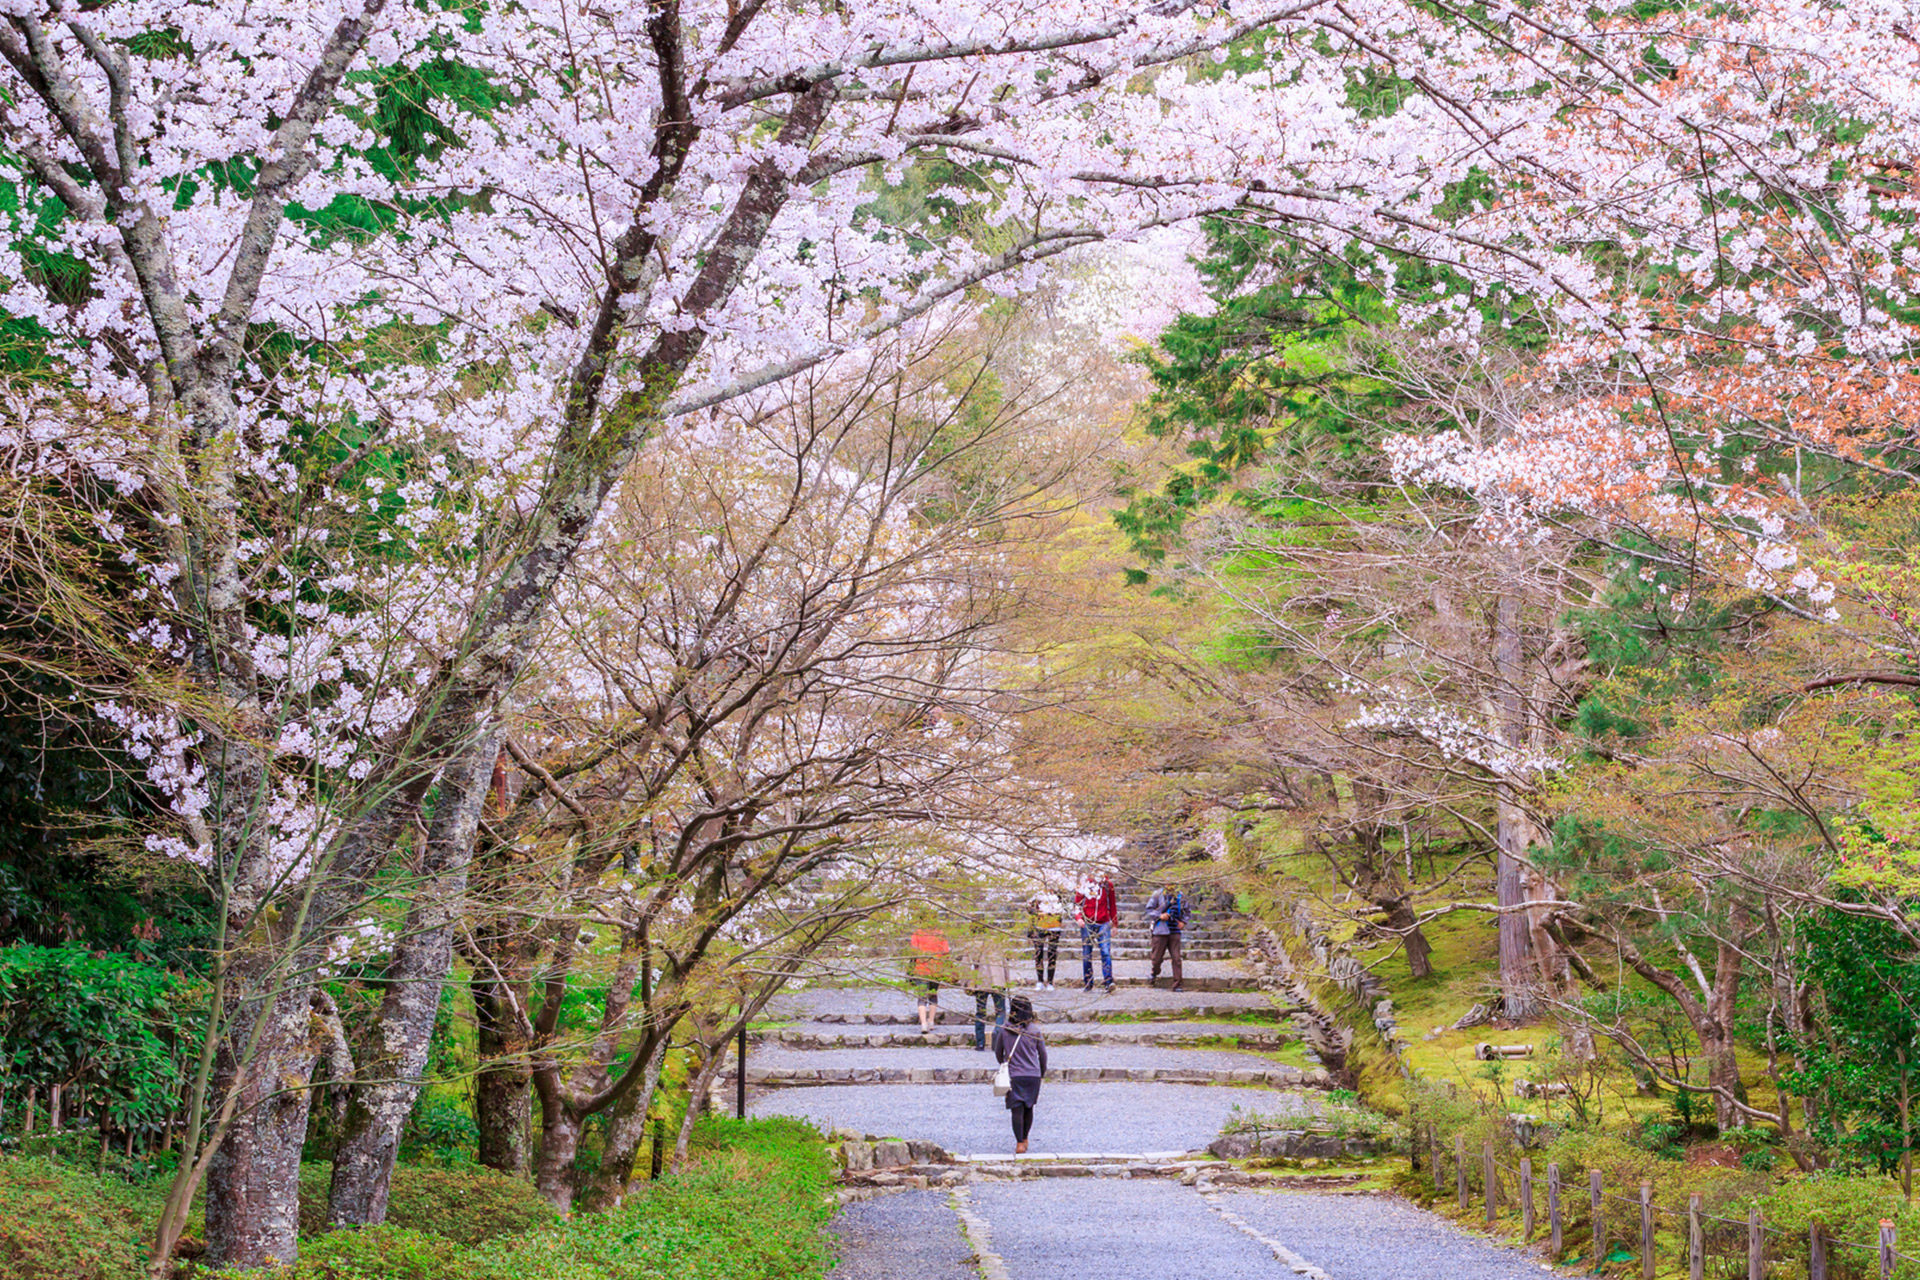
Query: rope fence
{"points": [[1716, 1248]]}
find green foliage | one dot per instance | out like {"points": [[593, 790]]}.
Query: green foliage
{"points": [[1869, 975], [57, 1223], [67, 1013], [466, 1206]]}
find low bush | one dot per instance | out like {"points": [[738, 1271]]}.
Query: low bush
{"points": [[60, 1223], [465, 1205]]}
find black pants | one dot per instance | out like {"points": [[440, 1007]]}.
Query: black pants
{"points": [[1046, 953], [1022, 1121]]}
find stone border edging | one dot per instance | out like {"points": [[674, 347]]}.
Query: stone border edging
{"points": [[1278, 1077]]}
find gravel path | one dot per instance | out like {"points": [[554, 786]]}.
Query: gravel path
{"points": [[1059, 1056], [1373, 1238], [1077, 1228], [968, 1120], [893, 1001], [907, 1235]]}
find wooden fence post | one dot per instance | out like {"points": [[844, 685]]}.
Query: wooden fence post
{"points": [[1433, 1150], [1646, 1230], [1460, 1169], [1526, 1198], [1696, 1240], [1554, 1222], [1756, 1246], [1490, 1176], [1599, 1219], [1887, 1255], [1816, 1252]]}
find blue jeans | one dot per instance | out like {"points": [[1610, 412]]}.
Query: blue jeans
{"points": [[1088, 933], [980, 1015]]}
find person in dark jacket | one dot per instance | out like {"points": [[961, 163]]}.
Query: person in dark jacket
{"points": [[1018, 1044]]}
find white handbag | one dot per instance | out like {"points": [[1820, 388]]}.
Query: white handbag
{"points": [[1003, 1078]]}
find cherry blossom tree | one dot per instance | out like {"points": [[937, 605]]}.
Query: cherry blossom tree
{"points": [[369, 405]]}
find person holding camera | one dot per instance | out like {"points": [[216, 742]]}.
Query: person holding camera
{"points": [[1018, 1044], [1166, 916]]}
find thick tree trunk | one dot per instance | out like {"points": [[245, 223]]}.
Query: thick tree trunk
{"points": [[1519, 961], [253, 1181], [502, 1094], [559, 1146], [1716, 1035], [389, 1065]]}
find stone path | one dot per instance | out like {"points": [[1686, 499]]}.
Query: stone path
{"points": [[1116, 1183], [968, 1119]]}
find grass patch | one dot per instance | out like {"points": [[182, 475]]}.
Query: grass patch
{"points": [[751, 1207]]}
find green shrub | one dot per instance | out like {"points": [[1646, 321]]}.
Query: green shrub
{"points": [[753, 1209], [58, 1223], [464, 1205]]}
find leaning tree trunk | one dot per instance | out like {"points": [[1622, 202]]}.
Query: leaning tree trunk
{"points": [[389, 1064], [1405, 921], [626, 1131]]}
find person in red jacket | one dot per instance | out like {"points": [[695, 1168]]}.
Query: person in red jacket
{"points": [[1096, 906]]}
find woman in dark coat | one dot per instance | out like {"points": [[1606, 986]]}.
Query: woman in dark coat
{"points": [[1018, 1044]]}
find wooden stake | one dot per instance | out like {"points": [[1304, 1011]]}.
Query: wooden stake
{"points": [[1526, 1198], [1460, 1169], [1554, 1222], [1646, 1230], [1816, 1252], [1756, 1246], [1433, 1149], [1888, 1256], [1490, 1177], [1696, 1240], [1599, 1219]]}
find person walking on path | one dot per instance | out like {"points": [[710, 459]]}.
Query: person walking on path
{"points": [[1096, 906], [983, 970], [1043, 930], [926, 966], [1019, 1045], [1166, 916]]}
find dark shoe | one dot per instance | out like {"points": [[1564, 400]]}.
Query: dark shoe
{"points": [[1087, 985], [1179, 986]]}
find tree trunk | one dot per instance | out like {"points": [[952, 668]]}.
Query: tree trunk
{"points": [[1403, 920], [559, 1145], [253, 1182], [696, 1105], [1519, 967], [1716, 1033], [389, 1065], [503, 1106], [626, 1131]]}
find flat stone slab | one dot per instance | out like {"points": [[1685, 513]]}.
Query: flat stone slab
{"points": [[1134, 1229], [959, 1032], [1374, 1238], [968, 1119], [904, 1233]]}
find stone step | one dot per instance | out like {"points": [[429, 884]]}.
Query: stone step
{"points": [[960, 1032], [1279, 1076], [1057, 1016]]}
